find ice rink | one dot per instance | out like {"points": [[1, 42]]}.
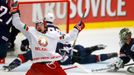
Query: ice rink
{"points": [[86, 38]]}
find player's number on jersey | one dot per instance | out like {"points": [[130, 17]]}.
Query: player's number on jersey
{"points": [[3, 12]]}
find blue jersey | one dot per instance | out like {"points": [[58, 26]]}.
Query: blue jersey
{"points": [[128, 50], [5, 22]]}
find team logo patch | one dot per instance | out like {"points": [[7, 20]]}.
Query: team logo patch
{"points": [[43, 41]]}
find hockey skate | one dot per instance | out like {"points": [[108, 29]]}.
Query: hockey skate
{"points": [[95, 48], [12, 65], [130, 69], [9, 68], [6, 68]]}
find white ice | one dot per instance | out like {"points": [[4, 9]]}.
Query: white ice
{"points": [[86, 38]]}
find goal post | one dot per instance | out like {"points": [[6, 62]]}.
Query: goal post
{"points": [[33, 10]]}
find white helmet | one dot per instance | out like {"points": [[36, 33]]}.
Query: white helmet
{"points": [[39, 21], [49, 17]]}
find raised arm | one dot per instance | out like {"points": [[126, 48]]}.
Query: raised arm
{"points": [[17, 21], [71, 36]]}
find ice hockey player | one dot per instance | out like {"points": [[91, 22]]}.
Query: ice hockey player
{"points": [[22, 58], [82, 55], [127, 47], [11, 43], [43, 45], [5, 25], [126, 51]]}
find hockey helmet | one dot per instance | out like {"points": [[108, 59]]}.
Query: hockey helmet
{"points": [[38, 21], [124, 33], [49, 17]]}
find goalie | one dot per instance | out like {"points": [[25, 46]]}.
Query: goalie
{"points": [[126, 51], [127, 47]]}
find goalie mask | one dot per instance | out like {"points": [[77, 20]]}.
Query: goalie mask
{"points": [[124, 33]]}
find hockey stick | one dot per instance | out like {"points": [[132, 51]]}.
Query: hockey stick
{"points": [[77, 65], [108, 68], [80, 20], [70, 67], [129, 64]]}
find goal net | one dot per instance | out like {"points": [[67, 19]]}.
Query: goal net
{"points": [[33, 10]]}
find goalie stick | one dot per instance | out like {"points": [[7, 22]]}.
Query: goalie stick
{"points": [[108, 68], [77, 65]]}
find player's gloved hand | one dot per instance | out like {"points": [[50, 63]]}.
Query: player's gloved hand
{"points": [[14, 7], [24, 45], [80, 26], [66, 50]]}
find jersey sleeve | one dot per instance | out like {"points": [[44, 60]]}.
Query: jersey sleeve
{"points": [[69, 37], [20, 25]]}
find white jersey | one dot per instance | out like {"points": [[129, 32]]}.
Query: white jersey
{"points": [[46, 51]]}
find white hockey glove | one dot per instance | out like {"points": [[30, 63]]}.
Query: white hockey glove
{"points": [[66, 53], [66, 50]]}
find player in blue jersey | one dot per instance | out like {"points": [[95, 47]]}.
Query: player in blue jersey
{"points": [[5, 24], [126, 50], [127, 47]]}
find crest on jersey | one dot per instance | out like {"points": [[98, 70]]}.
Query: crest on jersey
{"points": [[43, 41]]}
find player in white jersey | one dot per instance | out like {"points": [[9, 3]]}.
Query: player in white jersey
{"points": [[43, 45]]}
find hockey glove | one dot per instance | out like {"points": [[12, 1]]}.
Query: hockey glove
{"points": [[80, 26], [14, 8], [116, 65]]}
